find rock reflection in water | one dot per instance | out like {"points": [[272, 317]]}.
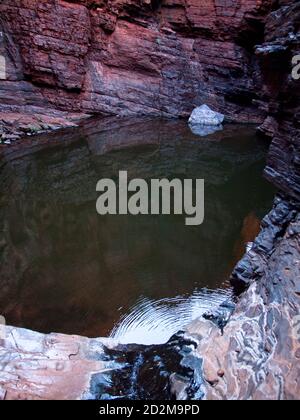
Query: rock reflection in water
{"points": [[63, 268]]}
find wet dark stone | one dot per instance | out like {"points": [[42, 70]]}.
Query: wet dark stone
{"points": [[274, 226], [222, 316], [147, 372]]}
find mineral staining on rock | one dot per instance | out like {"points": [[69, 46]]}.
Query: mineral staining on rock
{"points": [[129, 57], [251, 267], [2, 59], [34, 366], [258, 354]]}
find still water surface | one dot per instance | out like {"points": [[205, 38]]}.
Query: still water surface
{"points": [[66, 269]]}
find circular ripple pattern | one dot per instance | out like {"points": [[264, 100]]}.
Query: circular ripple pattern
{"points": [[155, 322]]}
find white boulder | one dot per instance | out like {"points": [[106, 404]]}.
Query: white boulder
{"points": [[205, 116]]}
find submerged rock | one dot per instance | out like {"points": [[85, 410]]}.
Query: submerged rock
{"points": [[205, 116]]}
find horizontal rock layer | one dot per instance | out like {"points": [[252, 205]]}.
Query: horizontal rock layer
{"points": [[158, 57], [282, 93], [155, 57]]}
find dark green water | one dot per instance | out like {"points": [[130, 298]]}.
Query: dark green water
{"points": [[64, 268]]}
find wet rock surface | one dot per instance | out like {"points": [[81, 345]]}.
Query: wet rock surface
{"points": [[250, 351], [162, 372], [258, 354], [49, 367], [254, 264], [280, 97], [16, 125], [59, 367]]}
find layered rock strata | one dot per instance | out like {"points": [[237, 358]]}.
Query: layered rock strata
{"points": [[160, 58], [164, 58]]}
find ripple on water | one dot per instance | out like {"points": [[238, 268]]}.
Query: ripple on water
{"points": [[156, 321]]}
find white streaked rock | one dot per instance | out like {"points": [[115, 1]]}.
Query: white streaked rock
{"points": [[205, 116]]}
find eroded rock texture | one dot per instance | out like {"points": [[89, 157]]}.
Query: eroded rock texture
{"points": [[158, 57], [257, 357], [280, 97], [49, 367]]}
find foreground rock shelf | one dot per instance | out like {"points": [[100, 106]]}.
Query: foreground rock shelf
{"points": [[49, 367], [256, 357]]}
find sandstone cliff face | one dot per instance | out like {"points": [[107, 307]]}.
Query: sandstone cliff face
{"points": [[158, 57]]}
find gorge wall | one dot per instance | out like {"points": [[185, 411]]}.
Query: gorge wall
{"points": [[66, 59], [154, 57]]}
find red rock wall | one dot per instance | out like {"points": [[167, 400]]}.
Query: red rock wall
{"points": [[158, 57], [281, 93]]}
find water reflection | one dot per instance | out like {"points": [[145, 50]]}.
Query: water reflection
{"points": [[205, 130], [63, 268]]}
